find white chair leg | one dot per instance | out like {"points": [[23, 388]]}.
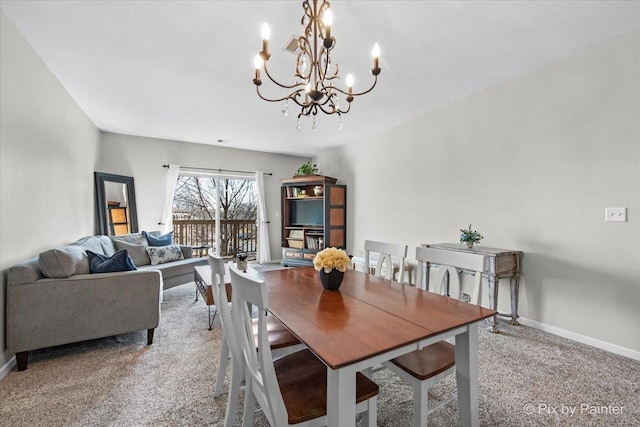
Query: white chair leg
{"points": [[370, 418], [234, 390], [249, 404], [222, 370], [420, 404]]}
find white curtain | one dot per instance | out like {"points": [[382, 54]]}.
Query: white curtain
{"points": [[264, 249], [166, 221]]}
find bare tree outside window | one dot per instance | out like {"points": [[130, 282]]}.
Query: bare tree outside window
{"points": [[194, 213]]}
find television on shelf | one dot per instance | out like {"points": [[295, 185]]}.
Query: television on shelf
{"points": [[307, 213]]}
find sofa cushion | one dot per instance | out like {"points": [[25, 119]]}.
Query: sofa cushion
{"points": [[137, 252], [120, 261], [108, 248], [90, 243], [154, 240], [63, 262], [135, 238], [162, 254]]}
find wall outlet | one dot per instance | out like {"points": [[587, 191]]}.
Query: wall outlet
{"points": [[615, 214]]}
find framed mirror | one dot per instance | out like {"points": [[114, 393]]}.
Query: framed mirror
{"points": [[116, 204]]}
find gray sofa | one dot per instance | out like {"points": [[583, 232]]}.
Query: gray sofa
{"points": [[53, 299]]}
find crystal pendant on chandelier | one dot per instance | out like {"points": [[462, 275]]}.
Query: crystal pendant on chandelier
{"points": [[314, 87]]}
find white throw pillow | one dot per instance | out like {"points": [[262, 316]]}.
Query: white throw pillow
{"points": [[162, 254]]}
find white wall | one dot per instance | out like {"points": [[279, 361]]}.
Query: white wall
{"points": [[49, 150], [142, 158], [531, 163], [47, 153]]}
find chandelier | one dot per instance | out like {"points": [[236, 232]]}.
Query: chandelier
{"points": [[314, 88]]}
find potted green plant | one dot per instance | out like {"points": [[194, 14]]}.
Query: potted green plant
{"points": [[307, 169], [470, 236]]}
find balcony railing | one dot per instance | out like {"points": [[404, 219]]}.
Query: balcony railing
{"points": [[236, 235]]}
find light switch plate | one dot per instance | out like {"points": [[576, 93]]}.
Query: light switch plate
{"points": [[615, 214]]}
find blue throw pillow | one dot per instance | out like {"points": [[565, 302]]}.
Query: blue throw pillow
{"points": [[120, 261], [165, 240]]}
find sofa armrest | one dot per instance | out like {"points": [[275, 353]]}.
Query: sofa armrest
{"points": [[52, 312], [187, 251], [25, 272]]}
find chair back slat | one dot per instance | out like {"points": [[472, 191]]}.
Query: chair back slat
{"points": [[447, 263], [220, 297], [385, 252], [261, 378]]}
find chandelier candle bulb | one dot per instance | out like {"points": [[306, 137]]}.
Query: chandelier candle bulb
{"points": [[327, 19], [266, 33], [375, 52], [257, 63]]}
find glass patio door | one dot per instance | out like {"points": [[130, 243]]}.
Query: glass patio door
{"points": [[216, 211]]}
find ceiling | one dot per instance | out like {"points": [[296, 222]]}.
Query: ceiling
{"points": [[182, 70]]}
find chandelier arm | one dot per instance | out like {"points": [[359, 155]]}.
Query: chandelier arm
{"points": [[326, 65], [345, 111], [291, 96], [329, 112], [300, 104], [306, 110], [293, 86], [322, 70], [304, 52], [375, 81], [308, 13]]}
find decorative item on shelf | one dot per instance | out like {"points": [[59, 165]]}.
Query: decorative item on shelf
{"points": [[318, 190], [308, 169], [241, 262], [316, 74], [470, 236], [331, 263]]}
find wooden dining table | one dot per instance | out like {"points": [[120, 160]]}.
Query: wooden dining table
{"points": [[370, 320]]}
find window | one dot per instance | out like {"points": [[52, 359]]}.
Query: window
{"points": [[216, 211]]}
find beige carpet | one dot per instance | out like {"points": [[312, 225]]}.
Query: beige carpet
{"points": [[122, 382]]}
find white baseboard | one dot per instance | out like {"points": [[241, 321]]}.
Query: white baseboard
{"points": [[593, 342], [7, 367]]}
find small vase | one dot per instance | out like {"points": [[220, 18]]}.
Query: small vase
{"points": [[331, 280], [470, 245]]}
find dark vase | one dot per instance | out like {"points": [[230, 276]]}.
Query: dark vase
{"points": [[331, 280]]}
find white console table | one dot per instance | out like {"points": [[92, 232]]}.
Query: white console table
{"points": [[497, 264]]}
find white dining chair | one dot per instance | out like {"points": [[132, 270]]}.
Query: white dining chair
{"points": [[424, 368], [385, 251], [291, 390], [449, 263], [280, 339]]}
